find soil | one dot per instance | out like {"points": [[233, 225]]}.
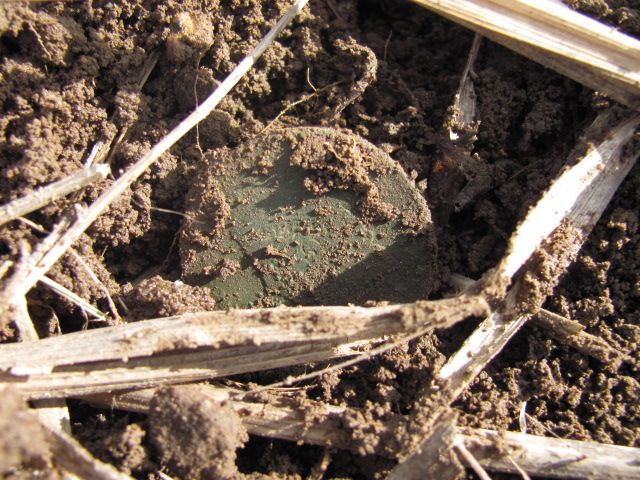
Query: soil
{"points": [[383, 71]]}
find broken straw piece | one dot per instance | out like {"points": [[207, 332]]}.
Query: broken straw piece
{"points": [[282, 418], [72, 297], [576, 198], [49, 193], [594, 179], [200, 346], [552, 34]]}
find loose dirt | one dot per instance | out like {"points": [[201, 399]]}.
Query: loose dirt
{"points": [[384, 71]]}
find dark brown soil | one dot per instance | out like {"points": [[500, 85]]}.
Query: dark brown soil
{"points": [[195, 436], [385, 71]]}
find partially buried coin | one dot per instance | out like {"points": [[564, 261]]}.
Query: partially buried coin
{"points": [[308, 216]]}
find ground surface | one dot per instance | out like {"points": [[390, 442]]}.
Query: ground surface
{"points": [[386, 71]]}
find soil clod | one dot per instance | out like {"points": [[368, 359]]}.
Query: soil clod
{"points": [[196, 435]]}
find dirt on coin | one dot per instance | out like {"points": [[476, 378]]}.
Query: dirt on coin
{"points": [[75, 75]]}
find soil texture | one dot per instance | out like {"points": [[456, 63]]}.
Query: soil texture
{"points": [[378, 78]]}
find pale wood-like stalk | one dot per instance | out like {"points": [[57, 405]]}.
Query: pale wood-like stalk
{"points": [[211, 344], [280, 418], [550, 33], [562, 218]]}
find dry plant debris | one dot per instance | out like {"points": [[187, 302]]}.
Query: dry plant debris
{"points": [[549, 32], [201, 346]]}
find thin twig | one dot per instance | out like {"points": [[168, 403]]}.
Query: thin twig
{"points": [[104, 149], [49, 193], [72, 297], [305, 98], [12, 294], [594, 178], [112, 306], [470, 460]]}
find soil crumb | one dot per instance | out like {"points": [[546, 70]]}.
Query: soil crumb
{"points": [[23, 443], [156, 297], [118, 440], [196, 435]]}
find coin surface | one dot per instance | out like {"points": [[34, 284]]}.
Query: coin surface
{"points": [[308, 216]]}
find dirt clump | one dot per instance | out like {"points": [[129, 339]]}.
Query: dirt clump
{"points": [[24, 446], [120, 441], [156, 297], [195, 435]]}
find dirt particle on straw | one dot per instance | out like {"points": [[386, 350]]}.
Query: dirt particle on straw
{"points": [[547, 265], [195, 435], [190, 36]]}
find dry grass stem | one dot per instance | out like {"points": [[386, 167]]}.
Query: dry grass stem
{"points": [[211, 344], [23, 321], [463, 110], [566, 331], [470, 460], [112, 306], [25, 273], [73, 298], [589, 186], [551, 457], [571, 333], [49, 193], [552, 34], [51, 412], [316, 423], [578, 196]]}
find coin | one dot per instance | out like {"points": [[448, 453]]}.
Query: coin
{"points": [[308, 216]]}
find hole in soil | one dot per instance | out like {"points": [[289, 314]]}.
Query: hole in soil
{"points": [[9, 45]]}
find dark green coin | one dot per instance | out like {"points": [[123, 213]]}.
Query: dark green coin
{"points": [[310, 216]]}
